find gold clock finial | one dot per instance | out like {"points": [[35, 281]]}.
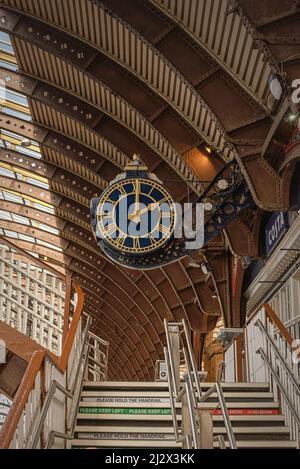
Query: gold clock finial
{"points": [[136, 164]]}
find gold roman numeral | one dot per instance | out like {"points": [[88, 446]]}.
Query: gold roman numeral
{"points": [[152, 239], [120, 241], [122, 190], [110, 229], [163, 229], [136, 243]]}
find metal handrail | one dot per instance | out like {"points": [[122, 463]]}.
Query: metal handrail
{"points": [[55, 385], [221, 440], [192, 390], [69, 436], [171, 394], [279, 384], [174, 381], [193, 420], [259, 324], [217, 388], [192, 358]]}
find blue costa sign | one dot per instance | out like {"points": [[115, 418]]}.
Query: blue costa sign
{"points": [[276, 227]]}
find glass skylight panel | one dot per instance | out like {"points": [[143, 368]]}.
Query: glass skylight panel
{"points": [[29, 152], [36, 182], [10, 197], [17, 98], [5, 43], [6, 172], [14, 113], [44, 227], [44, 208], [49, 245], [34, 254], [29, 239], [16, 138], [11, 234], [20, 219], [4, 215], [9, 65], [22, 176], [6, 144], [16, 105]]}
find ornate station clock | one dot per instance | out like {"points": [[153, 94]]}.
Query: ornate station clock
{"points": [[135, 218]]}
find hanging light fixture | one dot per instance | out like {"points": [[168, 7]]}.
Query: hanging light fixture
{"points": [[275, 86]]}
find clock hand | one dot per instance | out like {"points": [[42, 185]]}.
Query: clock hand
{"points": [[150, 207], [137, 214], [137, 195]]}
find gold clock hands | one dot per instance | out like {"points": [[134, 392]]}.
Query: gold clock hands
{"points": [[137, 194], [149, 207], [138, 213]]}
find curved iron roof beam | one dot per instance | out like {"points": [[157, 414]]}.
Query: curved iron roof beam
{"points": [[65, 75], [39, 132], [57, 188], [221, 29], [67, 232], [104, 34], [40, 235]]}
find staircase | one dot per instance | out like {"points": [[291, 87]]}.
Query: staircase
{"points": [[125, 415], [46, 350], [138, 415], [256, 418]]}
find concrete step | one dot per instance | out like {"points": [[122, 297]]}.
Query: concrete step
{"points": [[242, 405], [124, 429], [163, 397], [121, 417], [78, 443], [254, 430], [265, 444], [163, 386], [167, 433], [123, 393], [251, 418], [127, 405]]}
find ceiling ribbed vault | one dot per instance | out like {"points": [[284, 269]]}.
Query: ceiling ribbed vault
{"points": [[105, 80]]}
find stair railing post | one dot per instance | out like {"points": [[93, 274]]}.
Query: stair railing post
{"points": [[185, 420], [174, 337]]}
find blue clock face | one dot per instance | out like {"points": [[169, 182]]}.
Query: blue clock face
{"points": [[136, 215]]}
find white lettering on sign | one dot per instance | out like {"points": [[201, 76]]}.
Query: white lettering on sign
{"points": [[128, 400], [126, 436], [276, 228]]}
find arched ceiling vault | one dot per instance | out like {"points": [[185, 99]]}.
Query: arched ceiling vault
{"points": [[165, 79], [117, 40]]}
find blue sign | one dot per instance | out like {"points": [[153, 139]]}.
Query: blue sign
{"points": [[276, 227]]}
